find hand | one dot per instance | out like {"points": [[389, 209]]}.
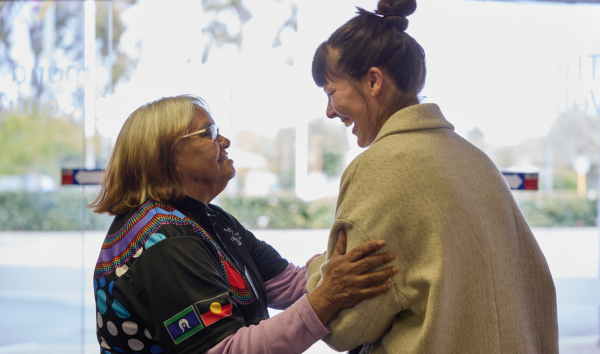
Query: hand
{"points": [[313, 258], [347, 281]]}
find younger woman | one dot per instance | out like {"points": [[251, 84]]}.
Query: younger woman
{"points": [[472, 278]]}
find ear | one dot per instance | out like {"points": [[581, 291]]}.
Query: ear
{"points": [[374, 81]]}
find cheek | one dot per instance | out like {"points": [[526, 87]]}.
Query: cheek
{"points": [[213, 154]]}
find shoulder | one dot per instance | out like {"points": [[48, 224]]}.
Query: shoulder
{"points": [[230, 225], [223, 215], [163, 259], [135, 231], [370, 168], [226, 218]]}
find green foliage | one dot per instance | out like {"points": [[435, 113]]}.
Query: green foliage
{"points": [[62, 210], [558, 210], [282, 212], [57, 211], [331, 141], [38, 144], [565, 179], [332, 162]]}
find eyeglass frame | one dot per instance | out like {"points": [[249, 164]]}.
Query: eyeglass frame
{"points": [[214, 130]]}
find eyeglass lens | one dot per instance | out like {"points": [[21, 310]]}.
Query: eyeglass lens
{"points": [[214, 131]]}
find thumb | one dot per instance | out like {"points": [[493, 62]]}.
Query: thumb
{"points": [[340, 245]]}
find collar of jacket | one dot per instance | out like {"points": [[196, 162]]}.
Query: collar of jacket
{"points": [[415, 117], [205, 213]]}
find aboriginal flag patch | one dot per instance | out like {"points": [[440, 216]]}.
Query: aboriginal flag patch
{"points": [[214, 309], [183, 325]]}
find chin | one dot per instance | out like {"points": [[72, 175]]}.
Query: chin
{"points": [[363, 143], [232, 174]]}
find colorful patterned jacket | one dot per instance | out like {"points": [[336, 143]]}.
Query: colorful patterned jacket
{"points": [[179, 278]]}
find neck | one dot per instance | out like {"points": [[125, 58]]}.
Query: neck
{"points": [[393, 106], [204, 193]]}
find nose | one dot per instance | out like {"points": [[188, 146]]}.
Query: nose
{"points": [[223, 141], [330, 112]]}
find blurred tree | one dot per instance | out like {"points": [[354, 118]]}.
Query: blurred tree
{"points": [[217, 31], [571, 135], [282, 211], [38, 144], [574, 134], [219, 34], [68, 29], [560, 209], [122, 65], [565, 179], [327, 146], [6, 16], [291, 22]]}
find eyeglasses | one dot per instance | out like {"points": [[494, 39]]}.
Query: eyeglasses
{"points": [[212, 131]]}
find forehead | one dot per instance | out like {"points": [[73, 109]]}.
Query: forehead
{"points": [[336, 81], [201, 117]]}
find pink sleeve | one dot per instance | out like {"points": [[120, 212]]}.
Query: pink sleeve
{"points": [[286, 288], [292, 331]]}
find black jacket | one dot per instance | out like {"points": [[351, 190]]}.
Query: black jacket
{"points": [[179, 278]]}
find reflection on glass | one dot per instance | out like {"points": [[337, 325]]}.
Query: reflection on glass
{"points": [[525, 91]]}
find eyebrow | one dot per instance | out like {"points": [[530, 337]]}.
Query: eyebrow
{"points": [[207, 125]]}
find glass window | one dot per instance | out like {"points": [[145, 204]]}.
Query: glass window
{"points": [[520, 80]]}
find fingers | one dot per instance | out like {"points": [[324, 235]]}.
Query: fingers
{"points": [[366, 248], [340, 245], [375, 290], [369, 279], [370, 262]]}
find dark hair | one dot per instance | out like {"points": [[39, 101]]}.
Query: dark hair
{"points": [[374, 40]]}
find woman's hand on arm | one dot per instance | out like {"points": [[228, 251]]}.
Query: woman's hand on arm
{"points": [[347, 280], [345, 283]]}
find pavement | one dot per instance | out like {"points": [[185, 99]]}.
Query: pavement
{"points": [[47, 303]]}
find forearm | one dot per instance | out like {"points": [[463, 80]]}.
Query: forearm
{"points": [[292, 331], [286, 288]]}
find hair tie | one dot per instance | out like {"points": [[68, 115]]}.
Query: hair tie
{"points": [[399, 25], [392, 14]]}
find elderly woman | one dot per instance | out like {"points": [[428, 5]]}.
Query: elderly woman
{"points": [[472, 278], [179, 275]]}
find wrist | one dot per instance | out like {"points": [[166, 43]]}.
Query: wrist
{"points": [[324, 309]]}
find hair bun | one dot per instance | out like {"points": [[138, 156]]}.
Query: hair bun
{"points": [[396, 11], [402, 8], [398, 21]]}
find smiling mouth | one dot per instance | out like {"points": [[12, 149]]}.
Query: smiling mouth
{"points": [[224, 158], [347, 122]]}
